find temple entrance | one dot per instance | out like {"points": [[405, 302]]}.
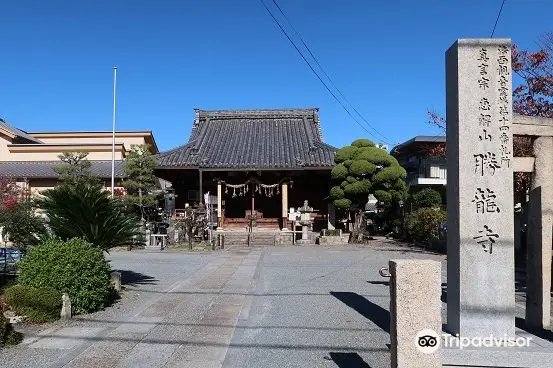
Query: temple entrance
{"points": [[251, 205]]}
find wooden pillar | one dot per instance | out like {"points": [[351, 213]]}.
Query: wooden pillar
{"points": [[253, 199], [201, 191], [284, 205], [219, 206]]}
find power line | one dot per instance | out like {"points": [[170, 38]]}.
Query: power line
{"points": [[326, 74], [497, 20], [313, 70]]}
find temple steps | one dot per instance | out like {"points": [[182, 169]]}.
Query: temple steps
{"points": [[249, 239]]}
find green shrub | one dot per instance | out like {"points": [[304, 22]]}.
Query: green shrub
{"points": [[90, 213], [427, 197], [342, 203], [339, 172], [8, 336], [336, 192], [73, 266], [36, 304], [423, 224]]}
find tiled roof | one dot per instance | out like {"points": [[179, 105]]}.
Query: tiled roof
{"points": [[429, 139], [18, 132], [44, 169], [252, 139]]}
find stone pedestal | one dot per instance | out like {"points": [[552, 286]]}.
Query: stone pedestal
{"points": [[304, 235], [116, 280], [480, 241], [540, 237], [147, 240], [415, 306], [65, 312]]}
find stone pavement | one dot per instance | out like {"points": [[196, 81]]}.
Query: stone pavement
{"points": [[317, 307], [179, 311], [250, 307]]}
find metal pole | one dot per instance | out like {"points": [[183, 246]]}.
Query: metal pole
{"points": [[113, 133]]}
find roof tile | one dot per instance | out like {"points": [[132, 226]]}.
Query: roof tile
{"points": [[252, 139], [44, 169]]}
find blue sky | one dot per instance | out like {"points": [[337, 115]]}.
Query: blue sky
{"points": [[387, 57]]}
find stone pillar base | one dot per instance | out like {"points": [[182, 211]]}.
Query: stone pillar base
{"points": [[415, 312]]}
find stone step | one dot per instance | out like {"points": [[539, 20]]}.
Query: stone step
{"points": [[253, 239], [152, 248]]}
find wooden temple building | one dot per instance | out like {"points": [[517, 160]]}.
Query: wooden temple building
{"points": [[261, 162]]}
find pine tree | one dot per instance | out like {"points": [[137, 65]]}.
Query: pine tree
{"points": [[139, 178], [362, 169], [75, 170]]}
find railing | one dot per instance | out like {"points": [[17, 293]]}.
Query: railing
{"points": [[430, 171], [8, 260]]}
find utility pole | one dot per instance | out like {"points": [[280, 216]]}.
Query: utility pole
{"points": [[113, 133]]}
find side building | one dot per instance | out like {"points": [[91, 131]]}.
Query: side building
{"points": [[29, 158], [423, 157]]}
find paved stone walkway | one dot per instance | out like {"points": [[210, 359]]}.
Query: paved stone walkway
{"points": [[256, 307], [180, 312]]}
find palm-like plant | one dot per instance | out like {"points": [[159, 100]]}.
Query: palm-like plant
{"points": [[88, 212]]}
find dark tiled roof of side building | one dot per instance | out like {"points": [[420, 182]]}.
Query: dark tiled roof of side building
{"points": [[18, 132], [253, 139], [425, 139], [44, 169]]}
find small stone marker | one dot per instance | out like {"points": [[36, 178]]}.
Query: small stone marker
{"points": [[415, 313], [480, 241], [147, 240], [65, 307], [116, 280]]}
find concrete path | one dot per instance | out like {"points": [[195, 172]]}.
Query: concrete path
{"points": [[256, 307], [179, 311], [317, 307]]}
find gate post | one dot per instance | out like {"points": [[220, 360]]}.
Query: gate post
{"points": [[415, 313]]}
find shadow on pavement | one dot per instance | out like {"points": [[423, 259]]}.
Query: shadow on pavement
{"points": [[403, 249], [542, 334], [348, 360], [378, 315], [385, 283], [192, 342], [129, 277]]}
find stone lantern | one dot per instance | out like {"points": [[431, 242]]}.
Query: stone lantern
{"points": [[306, 222]]}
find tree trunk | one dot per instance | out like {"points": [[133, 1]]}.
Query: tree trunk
{"points": [[140, 204], [356, 234]]}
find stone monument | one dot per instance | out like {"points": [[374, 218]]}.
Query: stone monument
{"points": [[116, 280], [305, 222], [480, 242], [65, 312]]}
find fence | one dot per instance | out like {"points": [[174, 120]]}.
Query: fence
{"points": [[8, 261]]}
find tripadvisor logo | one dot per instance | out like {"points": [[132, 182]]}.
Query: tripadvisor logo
{"points": [[427, 341]]}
